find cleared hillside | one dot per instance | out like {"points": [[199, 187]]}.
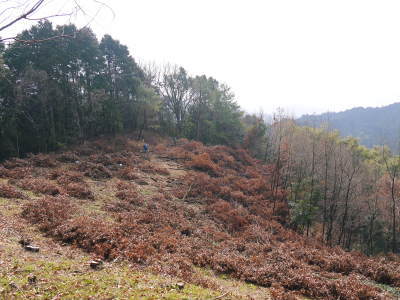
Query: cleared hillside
{"points": [[189, 212]]}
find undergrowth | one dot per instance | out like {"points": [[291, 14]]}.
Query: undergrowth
{"points": [[222, 215]]}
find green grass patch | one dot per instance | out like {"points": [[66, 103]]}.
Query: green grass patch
{"points": [[73, 279]]}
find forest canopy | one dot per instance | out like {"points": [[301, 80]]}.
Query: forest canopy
{"points": [[66, 90]]}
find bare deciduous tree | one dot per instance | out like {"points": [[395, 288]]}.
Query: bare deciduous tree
{"points": [[174, 86]]}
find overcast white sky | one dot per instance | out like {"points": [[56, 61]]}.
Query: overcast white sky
{"points": [[302, 55]]}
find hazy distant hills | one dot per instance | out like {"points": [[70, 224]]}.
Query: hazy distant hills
{"points": [[371, 125]]}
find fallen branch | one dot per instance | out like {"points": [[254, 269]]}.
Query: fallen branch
{"points": [[222, 296], [173, 158]]}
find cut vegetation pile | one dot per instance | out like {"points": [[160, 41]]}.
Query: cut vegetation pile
{"points": [[189, 206]]}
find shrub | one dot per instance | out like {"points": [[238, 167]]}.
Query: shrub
{"points": [[130, 196], [231, 217], [150, 168], [124, 158], [42, 160], [67, 157], [94, 235], [19, 172], [200, 185], [4, 173], [123, 185], [178, 153], [48, 212], [39, 186], [79, 190], [70, 177], [243, 156], [204, 163], [238, 196], [95, 171], [162, 171], [278, 293], [128, 173], [219, 155], [16, 163], [160, 148], [193, 146], [54, 174], [8, 191], [103, 159]]}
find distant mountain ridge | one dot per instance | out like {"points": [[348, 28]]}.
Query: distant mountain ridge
{"points": [[371, 125]]}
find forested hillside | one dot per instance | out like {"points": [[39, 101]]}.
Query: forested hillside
{"points": [[63, 90], [279, 205], [372, 125]]}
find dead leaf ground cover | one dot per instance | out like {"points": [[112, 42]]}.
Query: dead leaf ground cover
{"points": [[192, 206]]}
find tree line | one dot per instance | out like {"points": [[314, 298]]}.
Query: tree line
{"points": [[63, 90], [338, 190]]}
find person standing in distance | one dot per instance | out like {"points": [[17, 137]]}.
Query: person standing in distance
{"points": [[146, 149]]}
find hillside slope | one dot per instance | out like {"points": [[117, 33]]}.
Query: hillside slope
{"points": [[187, 211], [372, 126], [59, 271]]}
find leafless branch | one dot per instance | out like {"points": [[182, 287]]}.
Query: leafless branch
{"points": [[33, 9], [49, 17], [37, 41], [29, 12]]}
